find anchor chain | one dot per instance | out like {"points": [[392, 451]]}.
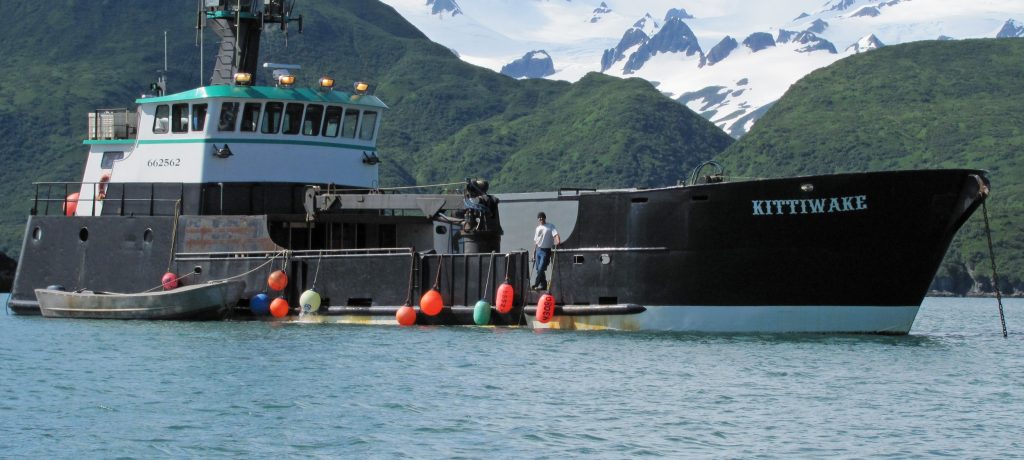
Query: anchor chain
{"points": [[992, 257]]}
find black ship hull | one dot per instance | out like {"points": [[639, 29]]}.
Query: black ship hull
{"points": [[834, 253]]}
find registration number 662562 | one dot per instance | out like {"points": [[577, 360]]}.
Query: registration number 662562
{"points": [[161, 162]]}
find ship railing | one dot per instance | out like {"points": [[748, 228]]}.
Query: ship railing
{"points": [[304, 254], [49, 200], [113, 124]]}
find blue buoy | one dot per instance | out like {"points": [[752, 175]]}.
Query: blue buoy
{"points": [[260, 304]]}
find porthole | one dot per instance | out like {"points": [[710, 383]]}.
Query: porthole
{"points": [[83, 234], [147, 235], [37, 234]]}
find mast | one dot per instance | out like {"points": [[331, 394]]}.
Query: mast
{"points": [[239, 24]]}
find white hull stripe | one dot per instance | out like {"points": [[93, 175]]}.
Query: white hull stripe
{"points": [[752, 319], [721, 319]]}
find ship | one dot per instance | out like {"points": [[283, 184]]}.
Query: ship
{"points": [[239, 181]]}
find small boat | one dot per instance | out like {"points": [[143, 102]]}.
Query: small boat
{"points": [[210, 300]]}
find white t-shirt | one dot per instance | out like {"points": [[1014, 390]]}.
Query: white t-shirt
{"points": [[545, 235]]}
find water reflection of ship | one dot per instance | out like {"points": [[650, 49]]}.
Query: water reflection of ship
{"points": [[236, 178]]}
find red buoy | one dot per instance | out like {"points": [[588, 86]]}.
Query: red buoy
{"points": [[431, 303], [504, 298], [545, 308], [279, 307], [406, 315], [277, 280], [71, 204], [169, 280]]}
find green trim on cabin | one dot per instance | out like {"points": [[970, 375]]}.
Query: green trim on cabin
{"points": [[108, 141], [237, 140], [267, 92], [227, 14]]}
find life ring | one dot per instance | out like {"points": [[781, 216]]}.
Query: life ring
{"points": [[102, 188]]}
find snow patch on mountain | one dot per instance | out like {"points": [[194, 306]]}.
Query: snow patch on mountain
{"points": [[769, 44], [867, 11], [868, 43]]}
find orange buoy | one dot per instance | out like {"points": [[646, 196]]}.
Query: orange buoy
{"points": [[71, 204], [279, 307], [277, 280], [504, 298], [406, 315], [169, 280], [545, 308], [431, 303]]}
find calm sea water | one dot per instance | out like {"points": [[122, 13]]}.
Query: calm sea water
{"points": [[263, 389]]}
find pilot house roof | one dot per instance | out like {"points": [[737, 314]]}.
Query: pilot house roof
{"points": [[268, 92]]}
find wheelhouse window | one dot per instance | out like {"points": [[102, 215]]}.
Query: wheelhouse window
{"points": [[250, 115], [198, 117], [311, 123], [348, 128], [109, 157], [228, 116], [179, 118], [161, 121], [272, 118], [332, 121], [292, 119], [369, 123]]}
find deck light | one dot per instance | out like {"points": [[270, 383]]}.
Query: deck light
{"points": [[286, 80], [243, 79], [326, 83], [361, 87]]}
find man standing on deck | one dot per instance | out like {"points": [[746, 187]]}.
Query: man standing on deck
{"points": [[545, 238]]}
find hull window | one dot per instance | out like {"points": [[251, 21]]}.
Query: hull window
{"points": [[332, 121], [179, 118], [228, 116], [109, 157], [311, 123], [198, 117], [348, 128], [369, 123], [292, 119], [272, 118], [161, 121], [249, 116]]}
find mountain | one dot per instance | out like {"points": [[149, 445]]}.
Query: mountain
{"points": [[535, 64], [601, 35], [1011, 29], [444, 7], [871, 42], [448, 119], [917, 105]]}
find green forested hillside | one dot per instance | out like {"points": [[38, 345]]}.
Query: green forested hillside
{"points": [[448, 120], [920, 105], [948, 104]]}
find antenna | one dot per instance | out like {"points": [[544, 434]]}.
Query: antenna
{"points": [[200, 23], [161, 81], [238, 35]]}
